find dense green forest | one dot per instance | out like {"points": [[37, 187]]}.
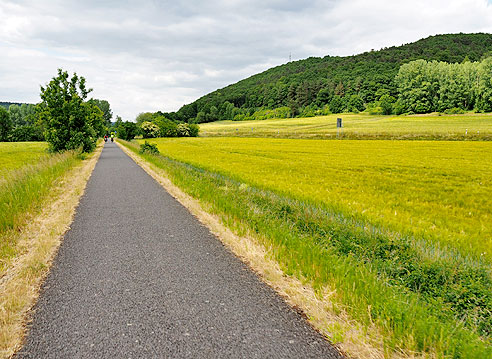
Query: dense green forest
{"points": [[333, 84]]}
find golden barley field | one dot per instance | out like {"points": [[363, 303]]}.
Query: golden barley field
{"points": [[361, 126], [437, 189]]}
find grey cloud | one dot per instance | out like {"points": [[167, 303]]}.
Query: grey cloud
{"points": [[158, 55]]}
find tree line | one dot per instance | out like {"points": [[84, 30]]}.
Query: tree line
{"points": [[152, 125], [425, 86], [68, 120], [20, 123]]}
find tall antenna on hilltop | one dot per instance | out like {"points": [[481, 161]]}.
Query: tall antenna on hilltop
{"points": [[290, 56]]}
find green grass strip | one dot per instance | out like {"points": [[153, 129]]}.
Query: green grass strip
{"points": [[23, 191], [330, 249]]}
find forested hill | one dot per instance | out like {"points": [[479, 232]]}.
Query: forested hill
{"points": [[308, 85]]}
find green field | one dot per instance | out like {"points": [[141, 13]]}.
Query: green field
{"points": [[399, 227], [433, 126], [14, 155], [27, 175]]}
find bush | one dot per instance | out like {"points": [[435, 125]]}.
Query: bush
{"points": [[325, 110], [149, 148], [265, 114], [374, 108], [150, 130], [194, 129], [183, 130], [243, 117], [167, 127], [454, 111], [308, 111], [26, 133], [282, 112], [160, 126]]}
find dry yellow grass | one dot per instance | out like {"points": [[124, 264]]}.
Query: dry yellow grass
{"points": [[38, 243], [323, 314]]}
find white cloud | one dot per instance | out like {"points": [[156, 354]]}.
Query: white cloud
{"points": [[151, 55]]}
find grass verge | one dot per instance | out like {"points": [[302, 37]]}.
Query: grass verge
{"points": [[408, 324], [22, 193], [34, 236]]}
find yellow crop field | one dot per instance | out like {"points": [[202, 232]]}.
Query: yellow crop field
{"points": [[14, 155], [400, 229], [440, 190], [430, 126]]}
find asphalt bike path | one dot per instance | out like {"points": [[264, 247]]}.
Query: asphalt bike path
{"points": [[137, 276]]}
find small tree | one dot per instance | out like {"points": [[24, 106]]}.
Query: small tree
{"points": [[70, 122], [386, 103], [194, 129], [323, 97], [127, 130], [336, 104], [200, 117], [144, 117], [355, 103]]}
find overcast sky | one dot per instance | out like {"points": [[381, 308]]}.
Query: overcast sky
{"points": [[149, 55]]}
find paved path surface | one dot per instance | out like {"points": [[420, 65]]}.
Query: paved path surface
{"points": [[137, 276]]}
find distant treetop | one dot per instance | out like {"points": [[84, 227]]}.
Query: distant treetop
{"points": [[7, 104]]}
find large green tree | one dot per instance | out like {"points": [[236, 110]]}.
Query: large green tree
{"points": [[336, 104], [104, 106], [70, 122], [25, 124], [144, 117], [484, 88], [127, 130], [5, 124]]}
